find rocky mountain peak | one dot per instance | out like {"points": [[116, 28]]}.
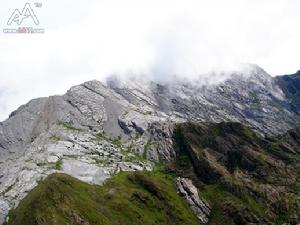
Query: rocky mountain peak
{"points": [[128, 126]]}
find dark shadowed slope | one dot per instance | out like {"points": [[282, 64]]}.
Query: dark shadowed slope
{"points": [[245, 178], [290, 85]]}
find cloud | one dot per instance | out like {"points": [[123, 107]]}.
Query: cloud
{"points": [[92, 39]]}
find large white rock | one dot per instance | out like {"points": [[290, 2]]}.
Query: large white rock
{"points": [[90, 173]]}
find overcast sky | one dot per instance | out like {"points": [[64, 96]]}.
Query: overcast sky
{"points": [[91, 39]]}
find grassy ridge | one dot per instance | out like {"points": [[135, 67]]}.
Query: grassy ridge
{"points": [[127, 199]]}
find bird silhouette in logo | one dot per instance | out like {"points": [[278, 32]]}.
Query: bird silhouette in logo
{"points": [[18, 17]]}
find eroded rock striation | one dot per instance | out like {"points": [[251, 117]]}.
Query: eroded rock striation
{"points": [[200, 207]]}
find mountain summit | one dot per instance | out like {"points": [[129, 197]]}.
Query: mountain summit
{"points": [[96, 130]]}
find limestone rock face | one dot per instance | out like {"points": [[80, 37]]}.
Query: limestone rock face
{"points": [[89, 156], [189, 192]]}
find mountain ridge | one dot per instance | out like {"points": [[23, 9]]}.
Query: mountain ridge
{"points": [[185, 102], [110, 128]]}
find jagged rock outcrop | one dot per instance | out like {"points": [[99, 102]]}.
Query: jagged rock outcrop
{"points": [[189, 192]]}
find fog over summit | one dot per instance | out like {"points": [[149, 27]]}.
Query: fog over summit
{"points": [[159, 39]]}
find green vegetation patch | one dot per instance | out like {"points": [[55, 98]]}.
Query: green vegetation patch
{"points": [[127, 199], [115, 141], [55, 138], [8, 189], [58, 164], [224, 201], [70, 126], [54, 165]]}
